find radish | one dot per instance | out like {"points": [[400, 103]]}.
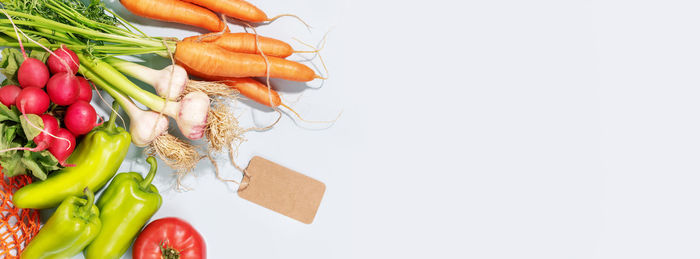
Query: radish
{"points": [[32, 100], [63, 88], [64, 60], [32, 73], [49, 137], [84, 92], [63, 149], [45, 138], [8, 94], [80, 118]]}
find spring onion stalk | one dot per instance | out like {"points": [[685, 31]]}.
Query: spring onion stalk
{"points": [[190, 113], [81, 29], [168, 82], [40, 22], [145, 126]]}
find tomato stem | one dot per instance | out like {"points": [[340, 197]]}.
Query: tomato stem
{"points": [[168, 252]]}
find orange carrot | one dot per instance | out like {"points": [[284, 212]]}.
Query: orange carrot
{"points": [[254, 90], [246, 43], [212, 60], [238, 9], [248, 87], [175, 11]]}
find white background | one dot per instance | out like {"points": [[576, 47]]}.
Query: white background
{"points": [[475, 129]]}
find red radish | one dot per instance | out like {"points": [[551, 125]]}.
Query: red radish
{"points": [[8, 94], [32, 100], [63, 88], [62, 149], [44, 139], [32, 73], [65, 60], [80, 118], [85, 92]]}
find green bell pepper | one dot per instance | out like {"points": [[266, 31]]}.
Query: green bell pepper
{"points": [[70, 229], [126, 205], [97, 159]]}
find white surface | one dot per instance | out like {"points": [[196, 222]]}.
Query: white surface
{"points": [[479, 129]]}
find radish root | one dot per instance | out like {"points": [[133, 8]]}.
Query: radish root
{"points": [[108, 105], [21, 46], [33, 41], [44, 131]]}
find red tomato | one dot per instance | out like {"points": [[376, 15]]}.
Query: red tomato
{"points": [[170, 238]]}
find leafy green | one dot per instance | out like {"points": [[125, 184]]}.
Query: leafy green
{"points": [[16, 132], [9, 160], [9, 64], [31, 124], [96, 11], [40, 163], [12, 58], [12, 167], [41, 54], [8, 114], [71, 12], [17, 162]]}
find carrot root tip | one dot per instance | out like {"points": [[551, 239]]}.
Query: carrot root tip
{"points": [[270, 20], [311, 121]]}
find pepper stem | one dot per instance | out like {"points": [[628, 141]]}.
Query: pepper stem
{"points": [[90, 200], [151, 173], [113, 116]]}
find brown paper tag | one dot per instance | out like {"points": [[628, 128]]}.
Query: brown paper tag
{"points": [[281, 189]]}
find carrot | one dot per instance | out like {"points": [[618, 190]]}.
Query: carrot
{"points": [[238, 9], [212, 60], [248, 87], [253, 89], [245, 43], [175, 11]]}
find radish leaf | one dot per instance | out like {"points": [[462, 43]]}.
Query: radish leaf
{"points": [[9, 64], [8, 114], [40, 163], [10, 160], [39, 53], [32, 127]]}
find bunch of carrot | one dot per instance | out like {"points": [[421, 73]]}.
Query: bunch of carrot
{"points": [[230, 58]]}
